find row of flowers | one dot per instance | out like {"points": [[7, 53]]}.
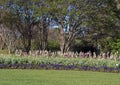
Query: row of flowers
{"points": [[60, 67], [16, 62]]}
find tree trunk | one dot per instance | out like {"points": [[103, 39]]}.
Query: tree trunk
{"points": [[62, 39], [43, 34], [65, 40], [27, 41]]}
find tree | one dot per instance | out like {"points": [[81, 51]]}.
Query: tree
{"points": [[23, 16], [53, 39], [70, 16], [8, 37], [103, 23], [92, 20], [43, 28]]}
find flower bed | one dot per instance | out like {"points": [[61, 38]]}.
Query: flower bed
{"points": [[16, 62]]}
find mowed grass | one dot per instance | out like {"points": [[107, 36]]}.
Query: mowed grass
{"points": [[57, 77]]}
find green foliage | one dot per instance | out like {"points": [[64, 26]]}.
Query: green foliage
{"points": [[110, 45], [76, 45], [53, 45], [35, 45], [101, 16], [104, 19], [115, 46]]}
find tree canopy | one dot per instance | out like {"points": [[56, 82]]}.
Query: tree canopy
{"points": [[96, 22]]}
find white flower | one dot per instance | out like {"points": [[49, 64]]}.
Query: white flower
{"points": [[117, 64]]}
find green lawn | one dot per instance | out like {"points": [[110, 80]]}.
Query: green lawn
{"points": [[56, 77]]}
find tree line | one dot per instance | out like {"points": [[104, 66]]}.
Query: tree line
{"points": [[65, 25]]}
